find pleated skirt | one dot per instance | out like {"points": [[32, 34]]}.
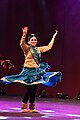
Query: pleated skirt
{"points": [[30, 76]]}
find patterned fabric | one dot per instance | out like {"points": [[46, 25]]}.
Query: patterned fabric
{"points": [[37, 58], [32, 76]]}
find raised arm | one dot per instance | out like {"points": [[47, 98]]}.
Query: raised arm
{"points": [[23, 45], [49, 46]]}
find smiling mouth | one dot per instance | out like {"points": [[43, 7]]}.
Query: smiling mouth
{"points": [[33, 43]]}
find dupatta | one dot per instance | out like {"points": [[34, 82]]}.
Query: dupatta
{"points": [[37, 58]]}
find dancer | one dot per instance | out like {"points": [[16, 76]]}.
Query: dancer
{"points": [[34, 70]]}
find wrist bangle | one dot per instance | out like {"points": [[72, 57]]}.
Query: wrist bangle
{"points": [[24, 32]]}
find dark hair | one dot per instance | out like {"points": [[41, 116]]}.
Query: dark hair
{"points": [[32, 35]]}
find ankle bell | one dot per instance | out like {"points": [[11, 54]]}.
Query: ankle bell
{"points": [[31, 106], [24, 106]]}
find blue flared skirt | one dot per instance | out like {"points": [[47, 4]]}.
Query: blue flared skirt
{"points": [[30, 76]]}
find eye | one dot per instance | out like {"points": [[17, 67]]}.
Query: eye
{"points": [[33, 39]]}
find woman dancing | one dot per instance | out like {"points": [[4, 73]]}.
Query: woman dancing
{"points": [[34, 70]]}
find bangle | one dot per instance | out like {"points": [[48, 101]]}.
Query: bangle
{"points": [[25, 32], [24, 35]]}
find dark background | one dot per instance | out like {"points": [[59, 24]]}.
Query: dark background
{"points": [[42, 18]]}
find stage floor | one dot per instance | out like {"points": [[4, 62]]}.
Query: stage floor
{"points": [[50, 108]]}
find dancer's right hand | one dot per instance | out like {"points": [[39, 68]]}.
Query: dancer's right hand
{"points": [[25, 29]]}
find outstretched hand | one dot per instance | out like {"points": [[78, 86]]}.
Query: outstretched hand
{"points": [[25, 29], [56, 32]]}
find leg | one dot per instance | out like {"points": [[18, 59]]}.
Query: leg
{"points": [[28, 93], [33, 94], [26, 98], [32, 99]]}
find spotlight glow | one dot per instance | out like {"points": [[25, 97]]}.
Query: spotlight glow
{"points": [[28, 117], [45, 116], [49, 111], [76, 119], [16, 108], [75, 115], [46, 113], [4, 110], [3, 118]]}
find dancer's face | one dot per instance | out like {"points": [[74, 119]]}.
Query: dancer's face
{"points": [[33, 41]]}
